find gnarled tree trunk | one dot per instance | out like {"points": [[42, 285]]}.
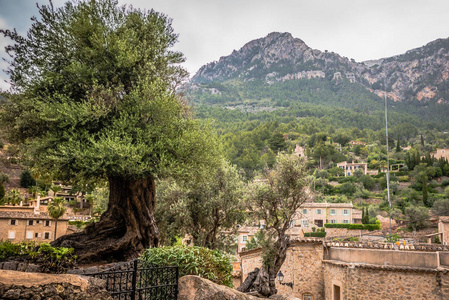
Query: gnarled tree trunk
{"points": [[124, 230], [265, 281]]}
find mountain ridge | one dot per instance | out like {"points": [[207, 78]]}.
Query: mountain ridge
{"points": [[419, 74]]}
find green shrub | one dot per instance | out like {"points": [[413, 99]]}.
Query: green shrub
{"points": [[9, 249], [404, 178], [315, 234], [210, 264], [55, 259], [79, 224], [370, 227], [26, 180]]}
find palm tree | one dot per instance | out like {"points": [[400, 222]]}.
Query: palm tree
{"points": [[13, 197], [56, 209]]}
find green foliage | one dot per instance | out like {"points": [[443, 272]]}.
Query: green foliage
{"points": [[57, 259], [441, 207], [417, 217], [204, 207], [96, 95], [370, 227], [258, 241], [315, 234], [9, 249], [210, 264], [26, 180], [13, 197], [394, 238], [79, 224]]}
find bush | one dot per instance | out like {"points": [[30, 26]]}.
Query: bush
{"points": [[404, 179], [55, 259], [210, 264], [8, 249], [369, 227], [26, 180], [314, 234]]}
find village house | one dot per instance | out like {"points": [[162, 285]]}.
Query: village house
{"points": [[441, 153], [311, 215], [357, 143], [351, 167], [317, 214], [300, 151], [29, 223]]}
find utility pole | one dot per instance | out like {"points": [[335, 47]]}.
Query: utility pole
{"points": [[388, 161]]}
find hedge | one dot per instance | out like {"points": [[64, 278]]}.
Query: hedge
{"points": [[370, 227], [314, 234]]}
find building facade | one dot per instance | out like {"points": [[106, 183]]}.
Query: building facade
{"points": [[24, 223], [349, 168]]}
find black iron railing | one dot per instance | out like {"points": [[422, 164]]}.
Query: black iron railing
{"points": [[141, 281]]}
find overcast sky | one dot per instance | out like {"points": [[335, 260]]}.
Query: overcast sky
{"points": [[209, 29]]}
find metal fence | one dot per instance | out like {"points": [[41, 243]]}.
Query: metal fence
{"points": [[141, 281]]}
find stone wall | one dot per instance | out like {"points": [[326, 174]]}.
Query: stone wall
{"points": [[384, 282], [416, 259], [345, 232], [37, 286]]}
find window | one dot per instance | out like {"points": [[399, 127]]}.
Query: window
{"points": [[30, 222], [333, 221], [346, 221], [13, 222], [333, 212], [244, 239], [304, 211], [37, 235], [319, 211], [307, 296], [11, 235], [345, 212], [305, 223], [47, 223], [47, 235], [30, 235]]}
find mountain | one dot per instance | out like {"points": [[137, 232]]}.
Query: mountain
{"points": [[418, 75], [279, 77]]}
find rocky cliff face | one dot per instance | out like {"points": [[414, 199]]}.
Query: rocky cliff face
{"points": [[420, 74]]}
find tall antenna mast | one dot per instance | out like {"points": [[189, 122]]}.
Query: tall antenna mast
{"points": [[388, 160]]}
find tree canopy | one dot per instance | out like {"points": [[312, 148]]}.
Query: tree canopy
{"points": [[94, 96]]}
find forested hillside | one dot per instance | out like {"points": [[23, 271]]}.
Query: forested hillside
{"points": [[278, 86]]}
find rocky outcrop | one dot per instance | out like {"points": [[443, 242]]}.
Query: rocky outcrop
{"points": [[37, 286], [196, 288]]}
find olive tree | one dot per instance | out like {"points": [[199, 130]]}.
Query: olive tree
{"points": [[276, 202], [94, 98]]}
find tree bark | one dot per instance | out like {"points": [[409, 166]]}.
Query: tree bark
{"points": [[124, 230], [265, 281], [249, 281]]}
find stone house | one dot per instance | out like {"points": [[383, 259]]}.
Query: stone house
{"points": [[351, 167], [315, 269], [357, 143], [441, 153], [317, 214], [26, 223], [300, 151]]}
